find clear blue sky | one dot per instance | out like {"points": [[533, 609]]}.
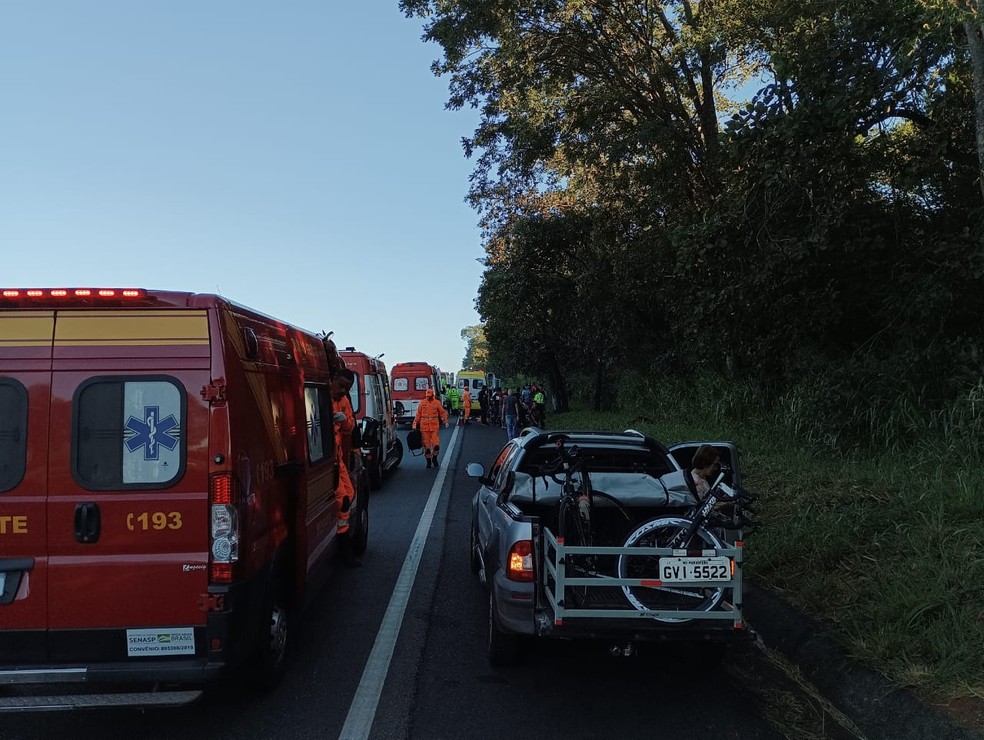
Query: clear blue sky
{"points": [[295, 157]]}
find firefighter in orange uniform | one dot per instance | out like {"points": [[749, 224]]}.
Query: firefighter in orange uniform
{"points": [[465, 404], [430, 415], [344, 421]]}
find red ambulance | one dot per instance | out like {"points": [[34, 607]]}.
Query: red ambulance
{"points": [[409, 382], [372, 404], [167, 492]]}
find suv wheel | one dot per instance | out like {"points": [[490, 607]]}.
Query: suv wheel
{"points": [[475, 560], [503, 647]]}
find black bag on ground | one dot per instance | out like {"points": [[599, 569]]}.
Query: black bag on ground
{"points": [[415, 440]]}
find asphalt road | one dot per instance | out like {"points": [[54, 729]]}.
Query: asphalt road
{"points": [[427, 676]]}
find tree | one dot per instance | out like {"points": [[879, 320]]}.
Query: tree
{"points": [[826, 225], [476, 347], [974, 31]]}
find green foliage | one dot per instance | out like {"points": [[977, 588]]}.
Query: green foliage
{"points": [[884, 548], [476, 347], [782, 194]]}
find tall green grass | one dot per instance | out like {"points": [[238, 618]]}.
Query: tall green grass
{"points": [[882, 541]]}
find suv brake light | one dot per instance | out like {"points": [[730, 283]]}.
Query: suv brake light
{"points": [[520, 564]]}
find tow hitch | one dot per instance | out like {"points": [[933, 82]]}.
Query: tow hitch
{"points": [[623, 649]]}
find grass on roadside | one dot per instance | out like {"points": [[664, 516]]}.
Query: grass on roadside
{"points": [[887, 551]]}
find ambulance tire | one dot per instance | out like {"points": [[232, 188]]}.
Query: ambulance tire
{"points": [[376, 472], [359, 532], [270, 658], [398, 453]]}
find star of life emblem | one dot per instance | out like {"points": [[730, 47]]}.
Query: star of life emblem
{"points": [[151, 433]]}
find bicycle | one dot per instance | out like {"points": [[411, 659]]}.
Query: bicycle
{"points": [[690, 537], [574, 513]]}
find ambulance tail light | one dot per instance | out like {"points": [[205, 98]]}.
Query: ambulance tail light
{"points": [[223, 528]]}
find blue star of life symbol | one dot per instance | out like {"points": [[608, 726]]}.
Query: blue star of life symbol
{"points": [[314, 429], [150, 432]]}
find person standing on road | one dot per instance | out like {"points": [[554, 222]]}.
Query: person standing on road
{"points": [[344, 423], [430, 415], [453, 399], [510, 412], [465, 404], [483, 404], [539, 407]]}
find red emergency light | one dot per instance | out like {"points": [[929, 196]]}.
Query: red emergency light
{"points": [[41, 293]]}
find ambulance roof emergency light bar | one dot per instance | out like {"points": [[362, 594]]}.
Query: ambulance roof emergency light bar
{"points": [[73, 293]]}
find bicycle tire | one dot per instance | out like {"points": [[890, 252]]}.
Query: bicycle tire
{"points": [[658, 532], [575, 532]]}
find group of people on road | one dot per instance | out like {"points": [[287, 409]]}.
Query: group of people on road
{"points": [[511, 409], [523, 407]]}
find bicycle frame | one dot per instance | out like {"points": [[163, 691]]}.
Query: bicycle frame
{"points": [[699, 515]]}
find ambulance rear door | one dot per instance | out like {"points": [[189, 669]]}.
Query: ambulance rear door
{"points": [[127, 512], [25, 379]]}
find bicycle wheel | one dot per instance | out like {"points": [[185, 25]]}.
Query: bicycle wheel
{"points": [[575, 532], [660, 532]]}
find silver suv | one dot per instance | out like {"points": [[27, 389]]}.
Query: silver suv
{"points": [[516, 553]]}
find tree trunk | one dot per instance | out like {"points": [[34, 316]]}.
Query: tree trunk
{"points": [[557, 390], [599, 385], [975, 43]]}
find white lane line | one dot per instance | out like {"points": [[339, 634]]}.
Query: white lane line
{"points": [[363, 708]]}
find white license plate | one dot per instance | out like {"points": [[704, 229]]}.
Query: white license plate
{"points": [[694, 569], [3, 580]]}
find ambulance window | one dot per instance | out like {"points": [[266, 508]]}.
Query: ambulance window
{"points": [[129, 433], [13, 433], [421, 384], [355, 395], [477, 384], [378, 404], [400, 384], [320, 432]]}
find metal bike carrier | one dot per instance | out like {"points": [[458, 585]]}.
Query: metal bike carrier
{"points": [[555, 559]]}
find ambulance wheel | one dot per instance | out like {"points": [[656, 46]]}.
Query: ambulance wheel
{"points": [[398, 453], [359, 532], [376, 472], [270, 659]]}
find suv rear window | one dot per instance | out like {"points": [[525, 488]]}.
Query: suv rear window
{"points": [[13, 433], [129, 433], [603, 459]]}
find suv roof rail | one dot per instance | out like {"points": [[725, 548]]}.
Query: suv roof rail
{"points": [[633, 431]]}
